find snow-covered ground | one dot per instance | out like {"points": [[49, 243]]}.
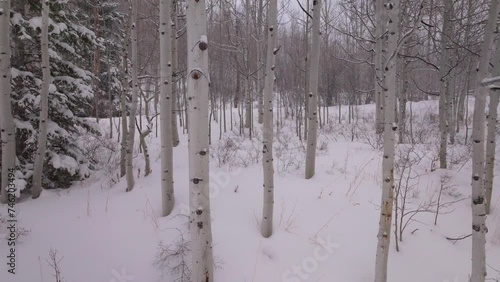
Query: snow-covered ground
{"points": [[324, 228]]}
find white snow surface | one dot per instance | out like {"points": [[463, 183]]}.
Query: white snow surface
{"points": [[325, 228]]}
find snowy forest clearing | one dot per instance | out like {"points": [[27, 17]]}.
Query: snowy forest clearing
{"points": [[324, 228]]}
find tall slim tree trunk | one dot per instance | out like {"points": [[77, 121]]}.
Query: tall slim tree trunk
{"points": [[384, 232], [44, 105], [175, 66], [313, 92], [97, 60], [7, 128], [445, 80], [248, 107], [307, 74], [198, 92], [110, 96], [491, 136], [403, 98], [464, 94], [133, 107], [123, 98], [260, 94], [451, 101], [477, 196], [267, 128], [379, 66]]}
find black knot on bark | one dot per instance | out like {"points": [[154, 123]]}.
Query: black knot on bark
{"points": [[196, 180], [387, 180], [476, 228], [203, 46], [199, 211], [477, 141], [199, 224], [475, 177], [196, 74], [394, 128], [479, 200], [271, 28], [203, 153]]}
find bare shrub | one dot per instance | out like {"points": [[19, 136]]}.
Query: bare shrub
{"points": [[54, 262], [458, 155], [289, 152], [174, 259], [104, 153], [224, 152]]}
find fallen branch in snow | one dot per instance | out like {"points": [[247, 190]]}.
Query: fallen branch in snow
{"points": [[459, 238]]}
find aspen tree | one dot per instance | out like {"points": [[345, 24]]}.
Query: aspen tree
{"points": [[167, 181], [198, 82], [133, 107], [175, 66], [390, 128], [380, 16], [7, 128], [267, 128], [491, 135], [478, 127], [123, 98], [44, 104], [312, 97], [445, 80]]}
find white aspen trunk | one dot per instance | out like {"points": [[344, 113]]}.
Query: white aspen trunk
{"points": [[313, 92], [133, 107], [123, 98], [44, 104], [259, 62], [451, 101], [477, 196], [248, 107], [143, 134], [198, 91], [490, 137], [110, 97], [490, 142], [97, 59], [145, 151], [167, 180], [390, 128], [175, 66], [464, 94], [267, 127], [7, 128], [307, 75], [380, 16], [403, 98], [444, 78]]}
